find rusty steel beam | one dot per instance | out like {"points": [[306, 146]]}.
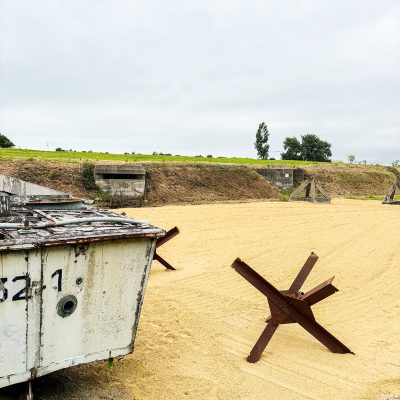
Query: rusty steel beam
{"points": [[304, 272], [313, 296], [168, 236], [320, 292], [290, 306], [262, 342], [163, 262]]}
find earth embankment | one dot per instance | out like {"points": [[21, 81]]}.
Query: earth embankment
{"points": [[341, 180], [166, 183], [195, 183], [204, 183]]}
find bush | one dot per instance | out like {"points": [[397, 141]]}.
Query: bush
{"points": [[88, 180]]}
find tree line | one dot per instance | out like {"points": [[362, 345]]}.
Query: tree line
{"points": [[309, 148]]}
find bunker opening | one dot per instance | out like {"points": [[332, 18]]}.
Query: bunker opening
{"points": [[123, 176]]}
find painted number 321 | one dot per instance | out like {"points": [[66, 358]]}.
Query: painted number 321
{"points": [[23, 292]]}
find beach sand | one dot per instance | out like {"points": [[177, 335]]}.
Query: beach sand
{"points": [[199, 323]]}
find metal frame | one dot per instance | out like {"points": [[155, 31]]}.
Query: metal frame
{"points": [[160, 241], [291, 306]]}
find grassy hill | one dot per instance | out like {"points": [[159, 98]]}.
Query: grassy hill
{"points": [[183, 179], [92, 156]]}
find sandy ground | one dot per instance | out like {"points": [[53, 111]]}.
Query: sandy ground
{"points": [[199, 323]]}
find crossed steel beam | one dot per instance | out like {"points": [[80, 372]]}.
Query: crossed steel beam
{"points": [[290, 306], [168, 236]]}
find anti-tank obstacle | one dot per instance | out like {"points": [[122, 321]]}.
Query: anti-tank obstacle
{"points": [[310, 191], [389, 198], [291, 306]]}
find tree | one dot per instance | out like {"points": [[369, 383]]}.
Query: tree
{"points": [[5, 142], [315, 149], [261, 143], [311, 148], [293, 149], [351, 158]]}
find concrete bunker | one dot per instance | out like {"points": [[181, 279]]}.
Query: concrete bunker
{"points": [[124, 179], [282, 178]]}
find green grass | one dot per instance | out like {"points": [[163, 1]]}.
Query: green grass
{"points": [[380, 198], [287, 192], [86, 156]]}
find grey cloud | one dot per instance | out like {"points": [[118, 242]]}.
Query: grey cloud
{"points": [[197, 77]]}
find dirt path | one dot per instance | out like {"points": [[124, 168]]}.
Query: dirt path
{"points": [[199, 323]]}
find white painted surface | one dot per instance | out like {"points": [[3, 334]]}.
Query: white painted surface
{"points": [[33, 337], [23, 188], [13, 317]]}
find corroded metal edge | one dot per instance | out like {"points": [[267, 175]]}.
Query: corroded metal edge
{"points": [[20, 244]]}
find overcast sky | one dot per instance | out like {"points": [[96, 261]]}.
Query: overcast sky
{"points": [[197, 77]]}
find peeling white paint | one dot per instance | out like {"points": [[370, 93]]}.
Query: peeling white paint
{"points": [[106, 277]]}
